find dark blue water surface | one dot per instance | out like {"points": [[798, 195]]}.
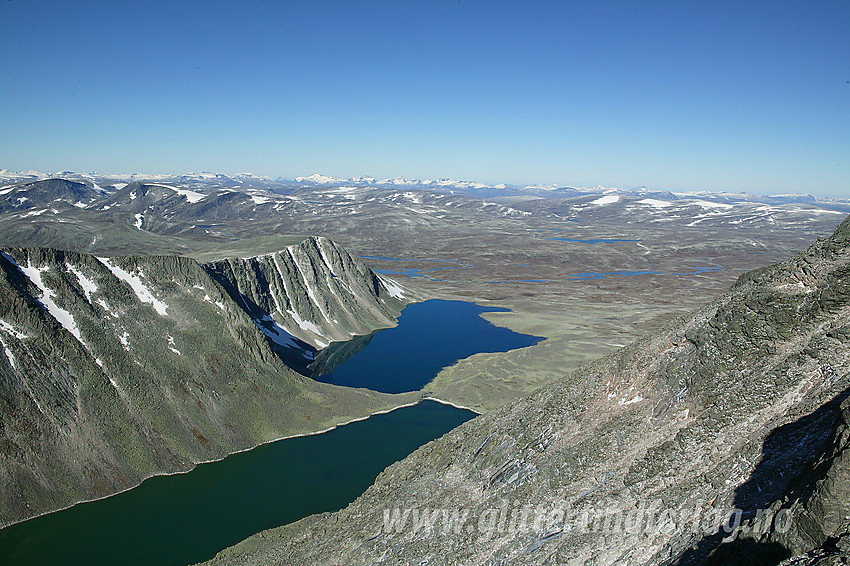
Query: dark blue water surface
{"points": [[430, 336], [187, 518]]}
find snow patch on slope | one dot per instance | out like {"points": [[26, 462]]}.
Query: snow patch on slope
{"points": [[6, 327], [277, 333], [394, 289], [47, 295], [171, 345], [655, 203], [135, 281], [303, 324], [87, 284], [635, 399], [607, 199], [9, 354], [191, 196], [709, 204], [125, 340]]}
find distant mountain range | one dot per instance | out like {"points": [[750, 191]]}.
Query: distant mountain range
{"points": [[205, 215], [470, 188]]}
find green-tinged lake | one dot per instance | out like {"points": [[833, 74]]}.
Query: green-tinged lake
{"points": [[187, 518]]}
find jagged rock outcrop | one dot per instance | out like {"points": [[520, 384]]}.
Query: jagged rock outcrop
{"points": [[315, 291], [834, 552], [719, 440], [115, 369]]}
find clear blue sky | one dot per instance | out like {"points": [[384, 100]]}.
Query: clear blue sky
{"points": [[676, 95]]}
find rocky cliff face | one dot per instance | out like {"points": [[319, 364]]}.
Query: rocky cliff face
{"points": [[115, 369], [721, 439], [315, 292]]}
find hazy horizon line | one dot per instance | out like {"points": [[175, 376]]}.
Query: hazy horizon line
{"points": [[433, 179]]}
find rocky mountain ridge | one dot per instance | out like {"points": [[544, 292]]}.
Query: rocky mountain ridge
{"points": [[342, 297], [117, 368], [721, 439]]}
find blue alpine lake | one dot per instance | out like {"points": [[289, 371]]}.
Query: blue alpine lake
{"points": [[187, 518], [430, 336]]}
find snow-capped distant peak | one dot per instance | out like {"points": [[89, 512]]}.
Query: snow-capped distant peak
{"points": [[204, 176], [8, 175], [251, 176], [541, 187], [394, 182], [320, 179], [794, 195]]}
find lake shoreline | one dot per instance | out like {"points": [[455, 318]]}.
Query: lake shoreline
{"points": [[240, 451], [194, 516]]}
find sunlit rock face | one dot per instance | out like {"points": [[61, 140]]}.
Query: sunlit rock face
{"points": [[315, 291]]}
